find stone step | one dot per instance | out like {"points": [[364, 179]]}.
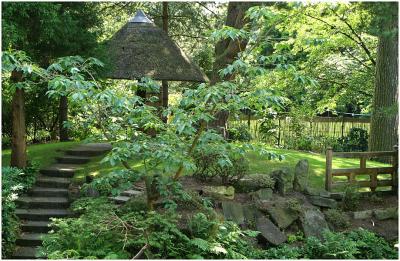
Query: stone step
{"points": [[35, 226], [30, 239], [87, 151], [132, 193], [70, 159], [120, 199], [52, 182], [48, 192], [42, 214], [25, 252], [43, 202], [61, 170]]}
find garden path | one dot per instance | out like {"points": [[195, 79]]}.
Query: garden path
{"points": [[49, 197]]}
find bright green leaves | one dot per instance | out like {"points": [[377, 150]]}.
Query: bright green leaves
{"points": [[229, 32]]}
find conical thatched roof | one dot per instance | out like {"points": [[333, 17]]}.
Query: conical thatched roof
{"points": [[141, 49]]}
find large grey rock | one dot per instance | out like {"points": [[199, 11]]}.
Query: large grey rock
{"points": [[387, 213], [283, 180], [362, 214], [313, 223], [219, 192], [233, 211], [269, 231], [262, 194], [323, 202], [251, 213], [300, 181], [282, 215]]}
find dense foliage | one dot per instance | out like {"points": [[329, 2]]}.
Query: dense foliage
{"points": [[14, 183], [104, 231], [356, 140]]}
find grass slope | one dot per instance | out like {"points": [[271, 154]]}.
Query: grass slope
{"points": [[260, 164], [43, 154]]}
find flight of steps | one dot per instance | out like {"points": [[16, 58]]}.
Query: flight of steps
{"points": [[49, 197], [126, 195]]}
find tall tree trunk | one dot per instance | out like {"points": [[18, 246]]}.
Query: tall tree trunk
{"points": [[384, 121], [226, 52], [63, 111], [18, 142], [164, 83]]}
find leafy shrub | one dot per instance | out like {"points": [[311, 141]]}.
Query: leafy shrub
{"points": [[255, 182], [334, 245], [114, 182], [282, 252], [357, 244], [370, 246], [105, 231], [337, 218], [14, 182], [214, 164], [351, 198], [356, 140], [5, 141], [268, 129], [239, 133]]}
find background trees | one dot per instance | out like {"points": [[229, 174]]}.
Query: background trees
{"points": [[319, 56]]}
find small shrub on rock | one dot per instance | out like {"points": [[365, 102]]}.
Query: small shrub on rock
{"points": [[239, 133], [255, 182], [213, 164], [337, 218], [351, 198]]}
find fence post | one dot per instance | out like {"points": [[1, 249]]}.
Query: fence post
{"points": [[395, 165], [328, 170]]}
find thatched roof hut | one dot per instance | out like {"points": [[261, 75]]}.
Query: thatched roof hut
{"points": [[142, 49]]}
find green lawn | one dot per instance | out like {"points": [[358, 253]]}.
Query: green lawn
{"points": [[260, 164], [43, 154]]}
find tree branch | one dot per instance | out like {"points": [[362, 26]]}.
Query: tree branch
{"points": [[361, 44], [361, 41]]}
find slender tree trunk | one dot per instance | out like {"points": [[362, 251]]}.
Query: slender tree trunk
{"points": [[164, 91], [18, 143], [63, 111], [226, 52], [384, 121]]}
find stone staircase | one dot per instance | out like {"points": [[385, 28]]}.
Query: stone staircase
{"points": [[49, 197]]}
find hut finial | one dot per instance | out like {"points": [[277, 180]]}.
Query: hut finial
{"points": [[140, 17]]}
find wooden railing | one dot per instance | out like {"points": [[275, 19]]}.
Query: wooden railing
{"points": [[351, 174]]}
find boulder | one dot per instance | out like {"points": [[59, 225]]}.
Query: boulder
{"points": [[262, 194], [282, 215], [322, 202], [301, 175], [251, 213], [313, 223], [269, 231], [387, 213], [233, 211], [219, 192], [283, 180], [74, 192], [255, 182], [362, 214]]}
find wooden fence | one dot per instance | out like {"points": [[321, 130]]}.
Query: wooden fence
{"points": [[333, 127], [373, 173]]}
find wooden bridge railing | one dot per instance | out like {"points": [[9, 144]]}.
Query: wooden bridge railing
{"points": [[351, 173]]}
